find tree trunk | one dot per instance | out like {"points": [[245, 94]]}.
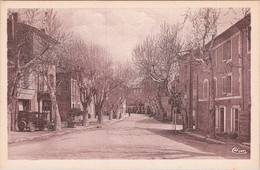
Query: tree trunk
{"points": [[185, 120], [212, 105], [117, 113], [85, 116], [55, 110], [12, 115], [160, 106], [110, 114], [190, 115], [99, 114]]}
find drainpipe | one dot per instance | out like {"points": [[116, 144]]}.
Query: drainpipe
{"points": [[242, 69], [197, 99], [191, 98]]}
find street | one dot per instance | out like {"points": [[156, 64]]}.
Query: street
{"points": [[136, 137]]}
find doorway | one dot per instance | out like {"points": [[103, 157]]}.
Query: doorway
{"points": [[23, 105], [222, 119], [46, 108]]}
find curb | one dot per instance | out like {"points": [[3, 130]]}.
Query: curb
{"points": [[245, 146], [64, 132], [204, 138], [51, 134]]}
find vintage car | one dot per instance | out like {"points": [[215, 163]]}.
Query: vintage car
{"points": [[33, 120]]}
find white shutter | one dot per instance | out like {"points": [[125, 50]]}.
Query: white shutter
{"points": [[231, 114], [216, 117]]}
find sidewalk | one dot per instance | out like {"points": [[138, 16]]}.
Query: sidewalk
{"points": [[14, 137], [218, 140], [203, 136]]}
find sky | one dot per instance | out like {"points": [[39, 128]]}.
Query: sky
{"points": [[119, 30]]}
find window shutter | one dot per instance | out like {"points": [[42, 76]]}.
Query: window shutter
{"points": [[224, 84], [227, 50], [228, 84], [216, 115]]}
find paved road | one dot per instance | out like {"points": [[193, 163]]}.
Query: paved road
{"points": [[137, 137]]}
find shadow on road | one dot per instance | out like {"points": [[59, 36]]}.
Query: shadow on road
{"points": [[148, 152], [218, 149]]}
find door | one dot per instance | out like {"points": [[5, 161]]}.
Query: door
{"points": [[46, 108], [24, 105], [235, 120], [222, 114]]}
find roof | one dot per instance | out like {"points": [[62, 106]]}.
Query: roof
{"points": [[37, 31], [242, 23], [233, 29]]}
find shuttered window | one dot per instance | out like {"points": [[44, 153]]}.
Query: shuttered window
{"points": [[236, 120], [228, 84], [216, 116], [205, 89]]}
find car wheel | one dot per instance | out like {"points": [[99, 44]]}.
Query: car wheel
{"points": [[31, 127], [50, 127], [22, 125]]}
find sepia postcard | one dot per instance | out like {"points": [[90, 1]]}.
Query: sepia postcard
{"points": [[129, 85]]}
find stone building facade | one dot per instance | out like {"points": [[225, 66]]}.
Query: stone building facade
{"points": [[28, 41], [231, 57]]}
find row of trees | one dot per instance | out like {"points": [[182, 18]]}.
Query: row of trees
{"points": [[96, 75], [158, 56]]}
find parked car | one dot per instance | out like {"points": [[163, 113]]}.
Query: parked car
{"points": [[33, 120]]}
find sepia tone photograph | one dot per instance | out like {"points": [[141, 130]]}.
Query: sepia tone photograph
{"points": [[128, 83]]}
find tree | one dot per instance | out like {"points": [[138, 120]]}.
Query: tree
{"points": [[116, 98], [109, 79], [21, 44], [21, 60], [156, 58], [82, 61], [203, 32]]}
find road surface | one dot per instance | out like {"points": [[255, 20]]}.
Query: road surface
{"points": [[137, 137]]}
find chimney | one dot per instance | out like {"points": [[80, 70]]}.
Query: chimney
{"points": [[15, 16]]}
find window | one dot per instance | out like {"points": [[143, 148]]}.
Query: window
{"points": [[73, 87], [46, 106], [215, 86], [205, 89], [223, 85], [41, 83], [249, 39], [76, 88], [226, 84], [227, 51], [51, 79]]}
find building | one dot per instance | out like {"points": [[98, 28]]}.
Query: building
{"points": [[68, 96], [184, 98], [24, 44], [231, 57], [135, 100]]}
